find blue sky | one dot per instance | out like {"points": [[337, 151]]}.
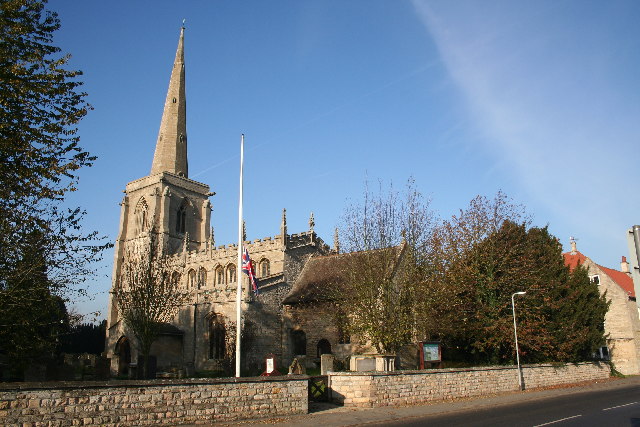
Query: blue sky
{"points": [[538, 99]]}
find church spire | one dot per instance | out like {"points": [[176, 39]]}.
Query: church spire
{"points": [[171, 148]]}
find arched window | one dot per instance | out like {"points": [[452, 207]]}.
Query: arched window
{"points": [[323, 347], [219, 276], [202, 278], [265, 268], [191, 282], [175, 279], [217, 337], [298, 342], [141, 215], [231, 273], [181, 218]]}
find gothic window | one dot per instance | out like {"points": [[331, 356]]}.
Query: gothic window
{"points": [[202, 278], [323, 347], [219, 276], [231, 274], [175, 279], [191, 284], [141, 215], [217, 337], [181, 218], [299, 342], [265, 268]]}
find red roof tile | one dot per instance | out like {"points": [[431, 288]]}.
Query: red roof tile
{"points": [[573, 260], [622, 279]]}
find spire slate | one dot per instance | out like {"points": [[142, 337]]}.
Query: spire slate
{"points": [[171, 148]]}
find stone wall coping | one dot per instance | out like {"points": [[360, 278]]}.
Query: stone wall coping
{"points": [[70, 385], [453, 370]]}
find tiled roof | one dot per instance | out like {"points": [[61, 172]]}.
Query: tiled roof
{"points": [[317, 280], [322, 275], [622, 279], [572, 260]]}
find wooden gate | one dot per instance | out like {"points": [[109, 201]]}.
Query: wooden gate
{"points": [[319, 388]]}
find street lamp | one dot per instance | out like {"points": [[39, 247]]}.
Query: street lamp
{"points": [[515, 332]]}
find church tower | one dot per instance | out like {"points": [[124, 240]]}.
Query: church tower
{"points": [[166, 202]]}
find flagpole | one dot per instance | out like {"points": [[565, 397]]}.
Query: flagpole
{"points": [[239, 266]]}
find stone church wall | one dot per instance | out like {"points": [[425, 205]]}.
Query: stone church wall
{"points": [[318, 322]]}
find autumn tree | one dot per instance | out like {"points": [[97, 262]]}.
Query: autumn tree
{"points": [[484, 255], [443, 284], [41, 105], [145, 294], [385, 235]]}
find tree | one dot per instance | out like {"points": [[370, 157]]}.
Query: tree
{"points": [[486, 254], [146, 295], [578, 323], [29, 297], [40, 108], [444, 285], [386, 236]]}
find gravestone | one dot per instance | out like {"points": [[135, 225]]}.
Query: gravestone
{"points": [[296, 368], [326, 363]]}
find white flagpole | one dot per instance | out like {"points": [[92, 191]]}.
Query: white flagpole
{"points": [[239, 266]]}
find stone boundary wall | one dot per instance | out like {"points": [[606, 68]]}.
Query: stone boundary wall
{"points": [[151, 402], [374, 389]]}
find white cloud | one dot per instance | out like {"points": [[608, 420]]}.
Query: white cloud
{"points": [[554, 104]]}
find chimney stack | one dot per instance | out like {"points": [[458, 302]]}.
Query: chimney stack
{"points": [[624, 266], [574, 249]]}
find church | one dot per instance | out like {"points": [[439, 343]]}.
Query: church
{"points": [[201, 337]]}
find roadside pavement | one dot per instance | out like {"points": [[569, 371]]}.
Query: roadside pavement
{"points": [[329, 415]]}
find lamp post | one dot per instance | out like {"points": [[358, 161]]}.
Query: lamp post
{"points": [[515, 332]]}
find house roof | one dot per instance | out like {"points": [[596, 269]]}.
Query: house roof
{"points": [[622, 279], [573, 259], [321, 275]]}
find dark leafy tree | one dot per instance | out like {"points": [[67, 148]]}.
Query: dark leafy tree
{"points": [[40, 107], [560, 318], [34, 321], [578, 317]]}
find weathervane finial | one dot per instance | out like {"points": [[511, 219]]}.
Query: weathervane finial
{"points": [[183, 22]]}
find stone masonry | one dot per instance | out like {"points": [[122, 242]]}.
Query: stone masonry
{"points": [[145, 402], [374, 389]]}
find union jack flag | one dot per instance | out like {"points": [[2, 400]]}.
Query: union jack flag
{"points": [[247, 268]]}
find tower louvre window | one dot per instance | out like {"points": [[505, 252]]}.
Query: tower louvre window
{"points": [[181, 219], [141, 216]]}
